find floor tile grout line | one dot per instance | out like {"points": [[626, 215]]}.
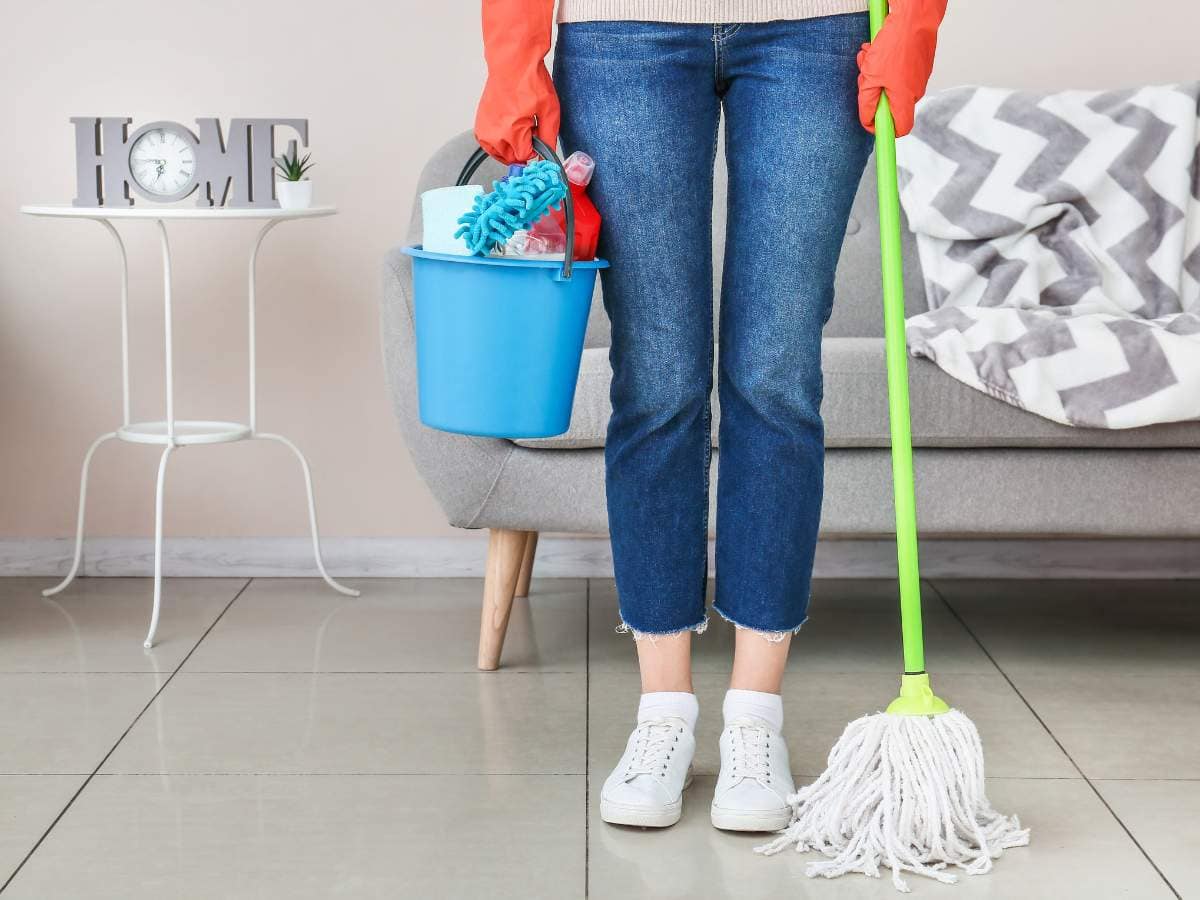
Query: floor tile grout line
{"points": [[793, 669], [396, 774], [1095, 790], [473, 672], [112, 749], [996, 670], [587, 736]]}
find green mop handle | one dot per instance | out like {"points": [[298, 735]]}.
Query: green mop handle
{"points": [[897, 374]]}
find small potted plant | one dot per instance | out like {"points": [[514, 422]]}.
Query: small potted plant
{"points": [[293, 189]]}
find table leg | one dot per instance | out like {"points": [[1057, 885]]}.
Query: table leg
{"points": [[83, 483], [158, 542], [87, 459], [312, 513], [254, 432], [124, 317], [168, 340], [253, 333], [169, 364]]}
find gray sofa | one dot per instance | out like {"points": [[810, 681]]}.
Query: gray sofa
{"points": [[983, 468]]}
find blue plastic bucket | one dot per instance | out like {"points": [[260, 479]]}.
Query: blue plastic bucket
{"points": [[499, 342]]}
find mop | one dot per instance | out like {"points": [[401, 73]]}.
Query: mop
{"points": [[903, 788]]}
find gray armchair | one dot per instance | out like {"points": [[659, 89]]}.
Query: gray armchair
{"points": [[984, 468]]}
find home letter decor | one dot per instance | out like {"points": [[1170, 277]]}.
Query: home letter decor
{"points": [[165, 161], [101, 161]]}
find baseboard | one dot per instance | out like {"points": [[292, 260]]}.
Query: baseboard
{"points": [[589, 557]]}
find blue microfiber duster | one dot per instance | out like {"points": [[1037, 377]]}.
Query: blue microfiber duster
{"points": [[513, 205]]}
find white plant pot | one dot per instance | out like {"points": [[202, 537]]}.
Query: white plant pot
{"points": [[294, 194]]}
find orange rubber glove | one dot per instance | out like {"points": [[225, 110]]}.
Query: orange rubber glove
{"points": [[899, 61], [516, 39]]}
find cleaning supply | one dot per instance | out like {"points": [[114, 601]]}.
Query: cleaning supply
{"points": [[899, 60], [903, 788], [514, 204], [500, 340], [441, 209], [579, 168], [549, 241], [518, 98]]}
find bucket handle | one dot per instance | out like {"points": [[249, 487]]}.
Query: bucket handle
{"points": [[546, 152]]}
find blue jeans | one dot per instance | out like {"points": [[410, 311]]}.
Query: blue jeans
{"points": [[645, 99]]}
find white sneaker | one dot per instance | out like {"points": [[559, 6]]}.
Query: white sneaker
{"points": [[646, 787], [755, 780]]}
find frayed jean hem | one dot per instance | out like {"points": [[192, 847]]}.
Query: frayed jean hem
{"points": [[772, 637], [651, 636]]}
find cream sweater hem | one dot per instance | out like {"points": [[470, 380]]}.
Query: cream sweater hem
{"points": [[704, 11]]}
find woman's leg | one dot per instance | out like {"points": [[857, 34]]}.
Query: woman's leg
{"points": [[639, 97], [796, 153], [758, 664], [666, 663]]}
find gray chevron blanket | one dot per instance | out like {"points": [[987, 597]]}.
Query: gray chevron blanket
{"points": [[1059, 236]]}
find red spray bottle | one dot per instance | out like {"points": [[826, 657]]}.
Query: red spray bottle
{"points": [[579, 168]]}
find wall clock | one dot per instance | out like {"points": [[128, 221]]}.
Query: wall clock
{"points": [[166, 161]]}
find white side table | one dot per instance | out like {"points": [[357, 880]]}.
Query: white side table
{"points": [[171, 433]]}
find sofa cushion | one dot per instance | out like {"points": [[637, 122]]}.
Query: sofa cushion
{"points": [[945, 412]]}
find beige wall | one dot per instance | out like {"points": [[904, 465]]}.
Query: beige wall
{"points": [[383, 83]]}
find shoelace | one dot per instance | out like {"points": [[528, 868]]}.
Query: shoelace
{"points": [[751, 752], [654, 742]]}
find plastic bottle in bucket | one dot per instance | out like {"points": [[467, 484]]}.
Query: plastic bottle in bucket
{"points": [[579, 168], [548, 241]]}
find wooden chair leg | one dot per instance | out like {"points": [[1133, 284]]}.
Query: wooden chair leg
{"points": [[506, 550], [527, 564]]}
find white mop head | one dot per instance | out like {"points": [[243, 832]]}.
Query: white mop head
{"points": [[904, 792]]}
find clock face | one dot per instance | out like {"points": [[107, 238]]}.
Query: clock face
{"points": [[162, 163]]}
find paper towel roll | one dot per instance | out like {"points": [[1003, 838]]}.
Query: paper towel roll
{"points": [[440, 209]]}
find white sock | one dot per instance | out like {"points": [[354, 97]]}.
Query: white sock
{"points": [[768, 707], [669, 704]]}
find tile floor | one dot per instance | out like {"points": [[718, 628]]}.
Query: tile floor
{"points": [[283, 741]]}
